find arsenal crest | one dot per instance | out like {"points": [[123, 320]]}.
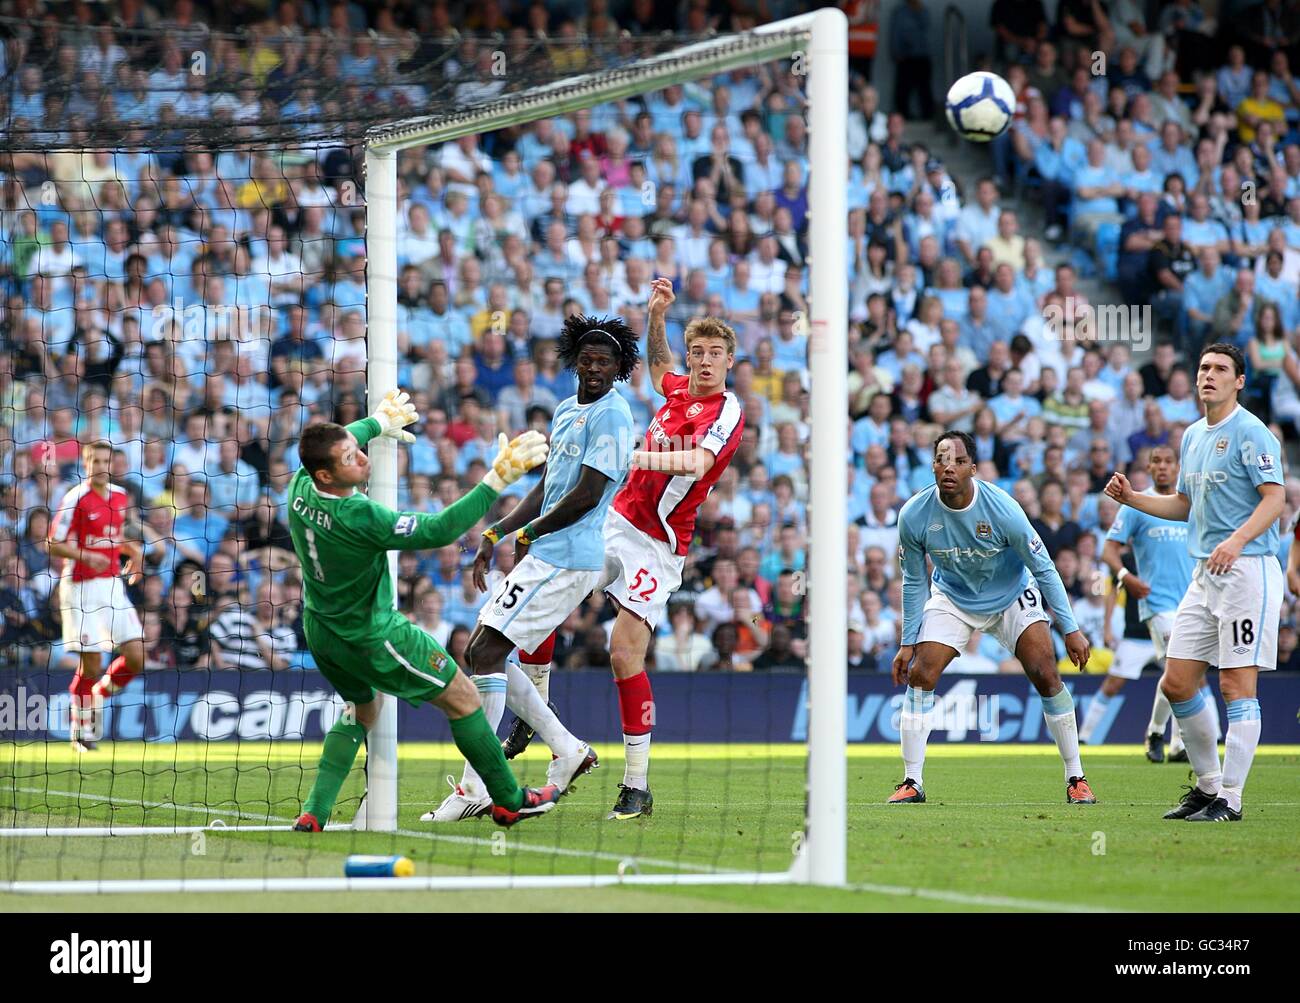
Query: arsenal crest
{"points": [[694, 409], [984, 530]]}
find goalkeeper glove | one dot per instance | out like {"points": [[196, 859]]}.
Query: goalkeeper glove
{"points": [[395, 412], [516, 458]]}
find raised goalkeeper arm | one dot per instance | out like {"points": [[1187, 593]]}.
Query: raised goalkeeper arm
{"points": [[394, 413], [422, 531]]}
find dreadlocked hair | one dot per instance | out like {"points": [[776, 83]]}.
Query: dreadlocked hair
{"points": [[577, 329]]}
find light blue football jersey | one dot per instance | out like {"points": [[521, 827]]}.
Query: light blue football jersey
{"points": [[1222, 468], [984, 556], [1163, 561], [597, 435]]}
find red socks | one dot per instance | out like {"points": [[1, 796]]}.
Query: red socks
{"points": [[81, 709], [80, 686], [543, 654], [116, 678], [636, 704]]}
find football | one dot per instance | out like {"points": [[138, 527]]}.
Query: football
{"points": [[980, 106]]}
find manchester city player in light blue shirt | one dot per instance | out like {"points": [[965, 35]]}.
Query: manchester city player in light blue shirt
{"points": [[559, 542], [991, 573], [1164, 570], [1230, 492]]}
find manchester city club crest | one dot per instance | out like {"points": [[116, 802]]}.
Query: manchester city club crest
{"points": [[580, 422], [983, 530], [1221, 446]]}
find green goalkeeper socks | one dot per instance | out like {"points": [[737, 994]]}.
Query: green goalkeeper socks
{"points": [[479, 744], [340, 752]]}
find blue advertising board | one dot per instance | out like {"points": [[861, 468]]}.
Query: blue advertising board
{"points": [[689, 707]]}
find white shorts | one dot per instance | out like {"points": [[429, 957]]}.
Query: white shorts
{"points": [[534, 599], [97, 615], [944, 621], [640, 571], [1131, 657], [1161, 626], [1231, 620]]}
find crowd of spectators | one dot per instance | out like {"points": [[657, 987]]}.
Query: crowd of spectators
{"points": [[199, 306]]}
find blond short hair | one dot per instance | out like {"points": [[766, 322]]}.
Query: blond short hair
{"points": [[711, 327]]}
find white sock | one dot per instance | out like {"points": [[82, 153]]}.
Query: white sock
{"points": [[1244, 724], [1097, 709], [1160, 713], [541, 677], [527, 704], [914, 724], [492, 691], [1214, 709], [1058, 712], [637, 764], [1198, 722]]}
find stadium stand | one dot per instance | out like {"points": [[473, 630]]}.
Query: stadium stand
{"points": [[200, 304]]}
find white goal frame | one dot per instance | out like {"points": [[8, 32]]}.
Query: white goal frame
{"points": [[821, 858]]}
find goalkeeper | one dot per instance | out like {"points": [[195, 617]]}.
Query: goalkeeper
{"points": [[360, 643]]}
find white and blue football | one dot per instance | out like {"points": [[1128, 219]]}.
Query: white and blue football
{"points": [[980, 106]]}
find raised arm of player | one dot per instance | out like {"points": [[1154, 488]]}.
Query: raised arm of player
{"points": [[391, 530], [658, 354], [1174, 507]]}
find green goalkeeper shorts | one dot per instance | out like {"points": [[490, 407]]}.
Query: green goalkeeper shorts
{"points": [[403, 660]]}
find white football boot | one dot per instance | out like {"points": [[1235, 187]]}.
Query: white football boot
{"points": [[564, 770], [459, 804]]}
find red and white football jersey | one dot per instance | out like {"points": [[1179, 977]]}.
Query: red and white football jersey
{"points": [[664, 506], [87, 520]]}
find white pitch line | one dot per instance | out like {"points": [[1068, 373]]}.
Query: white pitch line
{"points": [[553, 851], [993, 901]]}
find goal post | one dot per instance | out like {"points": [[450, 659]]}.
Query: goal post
{"points": [[818, 43], [822, 38]]}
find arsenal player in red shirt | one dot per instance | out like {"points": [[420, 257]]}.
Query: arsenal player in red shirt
{"points": [[650, 524], [89, 531]]}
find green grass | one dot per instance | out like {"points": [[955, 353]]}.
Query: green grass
{"points": [[996, 834]]}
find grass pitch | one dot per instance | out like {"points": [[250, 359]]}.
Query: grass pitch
{"points": [[996, 834]]}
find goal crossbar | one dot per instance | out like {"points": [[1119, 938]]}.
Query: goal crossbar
{"points": [[778, 40]]}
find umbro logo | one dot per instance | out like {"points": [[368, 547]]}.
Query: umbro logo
{"points": [[936, 527], [92, 515]]}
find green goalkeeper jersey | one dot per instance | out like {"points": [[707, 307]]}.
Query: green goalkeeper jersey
{"points": [[343, 543]]}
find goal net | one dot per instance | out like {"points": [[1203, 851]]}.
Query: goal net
{"points": [[248, 236]]}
